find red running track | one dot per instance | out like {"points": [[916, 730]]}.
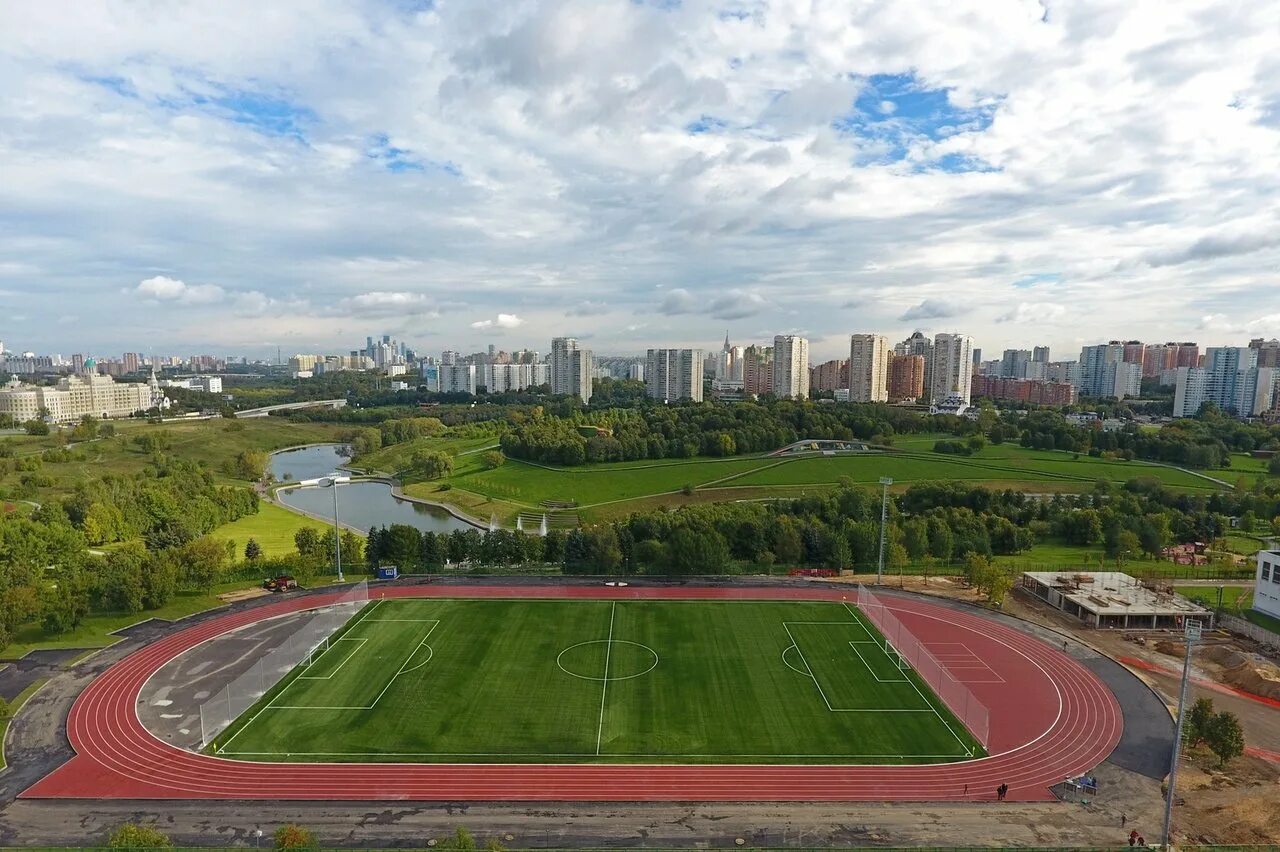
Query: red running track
{"points": [[1051, 718]]}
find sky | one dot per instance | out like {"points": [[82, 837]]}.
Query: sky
{"points": [[234, 177]]}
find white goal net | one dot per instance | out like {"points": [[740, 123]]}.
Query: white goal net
{"points": [[304, 645]]}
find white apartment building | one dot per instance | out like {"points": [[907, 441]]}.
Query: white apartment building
{"points": [[869, 356], [499, 378], [674, 374], [1266, 589], [950, 370], [571, 368], [75, 396], [636, 372], [790, 367], [1231, 379]]}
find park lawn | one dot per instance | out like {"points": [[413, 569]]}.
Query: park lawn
{"points": [[212, 442], [1244, 544], [273, 528], [529, 485], [467, 454], [1233, 597], [566, 681], [14, 706], [95, 630]]}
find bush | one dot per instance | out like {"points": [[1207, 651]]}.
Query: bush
{"points": [[954, 448], [294, 836], [134, 836], [492, 459]]}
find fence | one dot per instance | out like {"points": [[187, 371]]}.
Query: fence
{"points": [[217, 714], [968, 709], [1256, 632]]}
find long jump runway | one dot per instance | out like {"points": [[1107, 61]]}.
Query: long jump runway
{"points": [[1050, 719]]}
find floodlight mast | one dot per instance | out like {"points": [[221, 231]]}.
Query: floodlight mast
{"points": [[332, 482], [884, 517]]}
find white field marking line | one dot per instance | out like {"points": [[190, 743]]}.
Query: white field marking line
{"points": [[560, 665], [402, 670], [956, 661], [788, 665], [355, 651], [608, 652], [854, 645], [540, 754], [364, 611], [923, 698], [796, 645]]}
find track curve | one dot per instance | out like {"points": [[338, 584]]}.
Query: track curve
{"points": [[1051, 718]]}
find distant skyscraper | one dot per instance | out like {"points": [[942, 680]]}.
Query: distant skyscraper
{"points": [[918, 344], [571, 368], [790, 367], [869, 356], [951, 367], [1039, 355], [1015, 363], [1231, 379], [674, 374]]}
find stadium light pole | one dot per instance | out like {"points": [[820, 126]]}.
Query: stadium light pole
{"points": [[1190, 635], [332, 482], [884, 518]]}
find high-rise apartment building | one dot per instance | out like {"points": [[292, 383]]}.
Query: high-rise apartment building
{"points": [[1015, 363], [571, 368], [1131, 351], [757, 370], [950, 369], [790, 367], [918, 344], [1104, 372], [674, 374], [1268, 352], [1188, 355], [1229, 379], [829, 375], [1040, 355], [906, 378], [869, 356]]}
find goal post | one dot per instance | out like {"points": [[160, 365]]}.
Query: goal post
{"points": [[302, 646], [911, 654]]}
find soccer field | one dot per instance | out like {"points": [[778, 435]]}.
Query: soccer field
{"points": [[451, 680]]}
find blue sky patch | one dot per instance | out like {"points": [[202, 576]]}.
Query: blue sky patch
{"points": [[706, 124], [895, 110], [400, 160], [1036, 278]]}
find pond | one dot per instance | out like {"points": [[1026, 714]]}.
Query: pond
{"points": [[360, 504]]}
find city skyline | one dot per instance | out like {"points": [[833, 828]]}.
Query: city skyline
{"points": [[235, 182]]}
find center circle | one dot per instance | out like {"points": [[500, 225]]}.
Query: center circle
{"points": [[623, 660]]}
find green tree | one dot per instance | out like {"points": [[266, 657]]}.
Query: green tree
{"points": [[1225, 737], [1273, 466], [433, 464], [650, 553], [697, 551], [134, 836], [252, 550], [250, 465], [492, 459], [1128, 545], [307, 542], [1198, 721], [294, 836], [202, 562], [36, 427]]}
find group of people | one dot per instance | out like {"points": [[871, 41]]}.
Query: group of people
{"points": [[1001, 792]]}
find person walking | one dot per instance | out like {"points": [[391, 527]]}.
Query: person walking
{"points": [[1123, 820]]}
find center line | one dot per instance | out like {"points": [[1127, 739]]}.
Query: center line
{"points": [[608, 651]]}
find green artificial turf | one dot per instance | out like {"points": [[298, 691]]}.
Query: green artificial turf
{"points": [[523, 680]]}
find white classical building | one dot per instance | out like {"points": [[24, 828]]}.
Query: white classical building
{"points": [[75, 396]]}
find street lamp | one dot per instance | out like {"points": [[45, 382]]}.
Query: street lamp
{"points": [[884, 517], [332, 482]]}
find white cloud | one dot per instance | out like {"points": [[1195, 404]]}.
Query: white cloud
{"points": [[677, 301], [478, 158], [1034, 312], [503, 321], [165, 289]]}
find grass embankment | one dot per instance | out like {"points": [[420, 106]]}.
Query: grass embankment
{"points": [[14, 706], [95, 631], [273, 528], [608, 490]]}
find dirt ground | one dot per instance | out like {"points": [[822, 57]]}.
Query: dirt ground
{"points": [[1235, 805]]}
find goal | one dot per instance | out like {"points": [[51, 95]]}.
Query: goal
{"points": [[895, 656], [317, 650]]}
